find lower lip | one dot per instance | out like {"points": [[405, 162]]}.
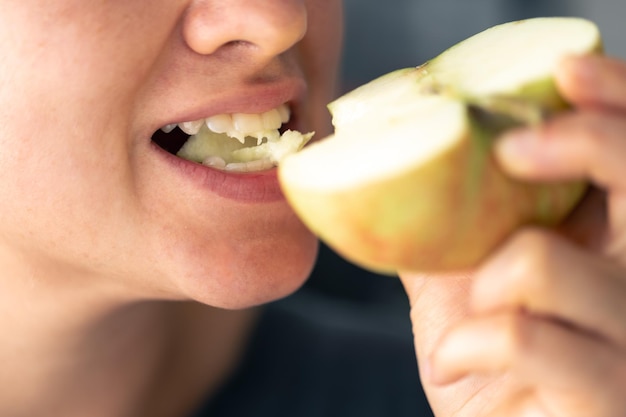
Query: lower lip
{"points": [[250, 187]]}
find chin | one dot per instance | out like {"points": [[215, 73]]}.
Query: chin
{"points": [[262, 265]]}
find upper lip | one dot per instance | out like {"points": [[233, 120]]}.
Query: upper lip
{"points": [[255, 98]]}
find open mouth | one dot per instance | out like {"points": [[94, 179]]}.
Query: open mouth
{"points": [[238, 142]]}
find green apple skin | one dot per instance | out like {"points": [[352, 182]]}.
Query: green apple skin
{"points": [[432, 218]]}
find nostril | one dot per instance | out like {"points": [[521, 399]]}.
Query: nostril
{"points": [[268, 27], [239, 43], [237, 46]]}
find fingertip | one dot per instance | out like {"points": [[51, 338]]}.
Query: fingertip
{"points": [[515, 151], [573, 75], [594, 80], [574, 64]]}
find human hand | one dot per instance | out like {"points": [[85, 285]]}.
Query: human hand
{"points": [[540, 327]]}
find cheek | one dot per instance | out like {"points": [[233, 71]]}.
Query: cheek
{"points": [[65, 118], [63, 165], [320, 52], [56, 201]]}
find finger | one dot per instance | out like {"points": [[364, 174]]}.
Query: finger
{"points": [[593, 80], [542, 273], [587, 224], [588, 145], [436, 301], [570, 372]]}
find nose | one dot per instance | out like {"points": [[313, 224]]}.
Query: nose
{"points": [[268, 26]]}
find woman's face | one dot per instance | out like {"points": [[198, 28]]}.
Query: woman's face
{"points": [[86, 191]]}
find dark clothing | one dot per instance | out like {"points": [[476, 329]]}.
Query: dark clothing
{"points": [[299, 367]]}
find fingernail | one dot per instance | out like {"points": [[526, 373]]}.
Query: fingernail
{"points": [[580, 67], [513, 153], [515, 145]]}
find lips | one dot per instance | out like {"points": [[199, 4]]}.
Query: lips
{"points": [[233, 154], [252, 187], [239, 142]]}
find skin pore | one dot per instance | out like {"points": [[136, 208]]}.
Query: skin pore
{"points": [[105, 237]]}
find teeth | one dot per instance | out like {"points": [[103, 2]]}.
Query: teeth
{"points": [[215, 162], [168, 128], [258, 165], [247, 122], [221, 123], [239, 125], [284, 112], [191, 128], [271, 120], [251, 166], [211, 144]]}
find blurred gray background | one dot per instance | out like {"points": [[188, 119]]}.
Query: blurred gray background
{"points": [[385, 35]]}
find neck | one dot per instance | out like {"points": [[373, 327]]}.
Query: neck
{"points": [[72, 351]]}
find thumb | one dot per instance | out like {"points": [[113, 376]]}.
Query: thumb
{"points": [[437, 302]]}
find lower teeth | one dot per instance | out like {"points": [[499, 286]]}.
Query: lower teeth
{"points": [[257, 165], [215, 162]]}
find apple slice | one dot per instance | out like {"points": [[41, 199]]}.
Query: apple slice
{"points": [[408, 181]]}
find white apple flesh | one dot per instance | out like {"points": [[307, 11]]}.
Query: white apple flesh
{"points": [[408, 181]]}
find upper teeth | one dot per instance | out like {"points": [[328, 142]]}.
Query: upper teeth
{"points": [[238, 125], [211, 140]]}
